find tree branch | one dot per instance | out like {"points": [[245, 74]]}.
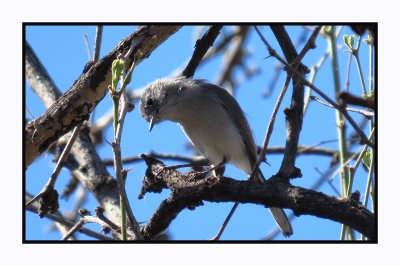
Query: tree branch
{"points": [[364, 139], [201, 48], [366, 113], [294, 115], [348, 98], [189, 192], [87, 91], [90, 171], [58, 218]]}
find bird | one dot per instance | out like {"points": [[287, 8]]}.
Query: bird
{"points": [[212, 120]]}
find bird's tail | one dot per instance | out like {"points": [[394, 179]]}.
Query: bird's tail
{"points": [[282, 221], [278, 213]]}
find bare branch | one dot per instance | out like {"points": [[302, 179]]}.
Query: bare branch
{"points": [[90, 171], [366, 113], [49, 187], [348, 98], [38, 78], [189, 192], [364, 139], [79, 101], [202, 46], [293, 124], [97, 43], [57, 217]]}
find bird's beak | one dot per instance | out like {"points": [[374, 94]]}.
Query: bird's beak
{"points": [[151, 123]]}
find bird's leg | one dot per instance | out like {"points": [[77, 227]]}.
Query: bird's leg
{"points": [[174, 167], [218, 169]]}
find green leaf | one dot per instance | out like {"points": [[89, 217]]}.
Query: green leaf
{"points": [[352, 40], [366, 159], [370, 96], [368, 40], [117, 68], [349, 41], [327, 29], [345, 39]]}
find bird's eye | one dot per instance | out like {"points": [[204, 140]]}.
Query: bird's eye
{"points": [[150, 102]]}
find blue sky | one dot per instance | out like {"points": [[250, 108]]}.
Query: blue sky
{"points": [[62, 51]]}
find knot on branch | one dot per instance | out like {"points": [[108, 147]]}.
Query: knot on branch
{"points": [[105, 182], [150, 182], [303, 69], [188, 192], [289, 112], [48, 202], [285, 178], [355, 197], [159, 176]]}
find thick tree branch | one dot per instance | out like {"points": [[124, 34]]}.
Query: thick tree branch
{"points": [[348, 98], [89, 169], [87, 91], [38, 78], [294, 115], [189, 192]]}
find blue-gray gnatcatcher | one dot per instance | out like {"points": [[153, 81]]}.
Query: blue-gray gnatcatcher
{"points": [[212, 120]]}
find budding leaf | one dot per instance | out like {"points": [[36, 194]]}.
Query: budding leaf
{"points": [[117, 68], [366, 159], [349, 41]]}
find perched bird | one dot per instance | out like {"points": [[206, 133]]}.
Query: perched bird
{"points": [[213, 122]]}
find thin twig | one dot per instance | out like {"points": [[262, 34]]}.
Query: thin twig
{"points": [[296, 62], [347, 83], [75, 228], [87, 46], [364, 139], [84, 220], [97, 43], [323, 178], [263, 150], [262, 156], [366, 113], [314, 70], [59, 218], [221, 230], [220, 47], [199, 158], [64, 155], [311, 29], [117, 152], [99, 213], [96, 54], [177, 157], [278, 66], [202, 46], [346, 165], [233, 56], [351, 157], [77, 104], [29, 112]]}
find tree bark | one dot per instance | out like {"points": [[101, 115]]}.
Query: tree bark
{"points": [[189, 192], [87, 91]]}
